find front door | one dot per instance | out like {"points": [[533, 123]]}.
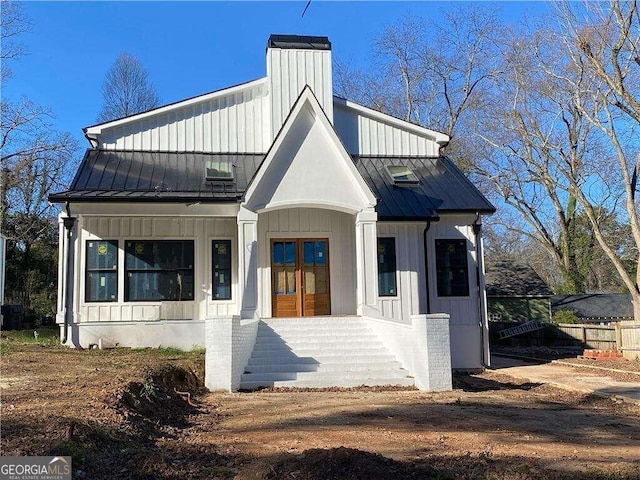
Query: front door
{"points": [[300, 277]]}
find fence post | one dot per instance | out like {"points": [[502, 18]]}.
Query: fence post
{"points": [[619, 345]]}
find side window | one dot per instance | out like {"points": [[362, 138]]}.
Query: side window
{"points": [[451, 268], [387, 267], [159, 270], [101, 283], [221, 269]]}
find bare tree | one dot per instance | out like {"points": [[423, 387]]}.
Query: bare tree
{"points": [[126, 89], [604, 41], [36, 160], [535, 133]]}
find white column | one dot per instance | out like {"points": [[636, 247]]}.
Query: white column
{"points": [[248, 262], [366, 262]]}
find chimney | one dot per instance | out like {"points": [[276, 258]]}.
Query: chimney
{"points": [[294, 61]]}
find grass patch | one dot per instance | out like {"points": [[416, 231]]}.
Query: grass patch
{"points": [[45, 336]]}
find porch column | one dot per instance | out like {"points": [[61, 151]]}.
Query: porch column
{"points": [[366, 262], [248, 262]]}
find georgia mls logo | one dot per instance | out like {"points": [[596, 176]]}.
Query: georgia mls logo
{"points": [[35, 468]]}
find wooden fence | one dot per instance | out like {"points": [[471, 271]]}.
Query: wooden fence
{"points": [[622, 336]]}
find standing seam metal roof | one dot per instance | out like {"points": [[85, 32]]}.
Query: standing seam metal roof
{"points": [[122, 175]]}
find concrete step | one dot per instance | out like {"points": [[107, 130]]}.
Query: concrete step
{"points": [[320, 359], [324, 367], [342, 383], [318, 345], [319, 352], [328, 376]]}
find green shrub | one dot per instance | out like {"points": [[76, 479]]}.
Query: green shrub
{"points": [[565, 316]]}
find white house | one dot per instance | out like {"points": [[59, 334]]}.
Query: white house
{"points": [[303, 239]]}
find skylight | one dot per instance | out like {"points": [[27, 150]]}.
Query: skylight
{"points": [[219, 170], [401, 175]]}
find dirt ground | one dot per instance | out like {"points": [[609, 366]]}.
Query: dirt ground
{"points": [[126, 414]]}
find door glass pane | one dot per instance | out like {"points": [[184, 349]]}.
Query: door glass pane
{"points": [[278, 253], [321, 280], [290, 253], [321, 253], [291, 280], [280, 282], [308, 253], [309, 282]]}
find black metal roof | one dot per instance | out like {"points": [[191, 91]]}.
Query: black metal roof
{"points": [[113, 175], [513, 279], [299, 41], [137, 176], [441, 188], [595, 305]]}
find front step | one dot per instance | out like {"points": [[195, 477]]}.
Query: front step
{"points": [[320, 352]]}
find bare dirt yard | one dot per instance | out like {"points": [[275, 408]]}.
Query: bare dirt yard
{"points": [[126, 414]]}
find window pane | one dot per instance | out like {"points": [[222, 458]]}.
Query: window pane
{"points": [[278, 253], [321, 254], [159, 270], [290, 253], [310, 282], [451, 268], [221, 257], [308, 253], [102, 286], [102, 255], [387, 267]]}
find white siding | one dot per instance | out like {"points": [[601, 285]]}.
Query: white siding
{"points": [[338, 227], [411, 298], [223, 123], [466, 332], [289, 71], [201, 230], [363, 135]]}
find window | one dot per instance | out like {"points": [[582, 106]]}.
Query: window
{"points": [[401, 175], [219, 169], [159, 270], [221, 276], [451, 268], [102, 271], [387, 267]]}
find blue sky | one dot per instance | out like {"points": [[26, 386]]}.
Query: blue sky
{"points": [[188, 48]]}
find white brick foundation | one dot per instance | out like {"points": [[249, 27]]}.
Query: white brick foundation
{"points": [[229, 342], [423, 348]]}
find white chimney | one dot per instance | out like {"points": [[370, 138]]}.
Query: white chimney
{"points": [[294, 61]]}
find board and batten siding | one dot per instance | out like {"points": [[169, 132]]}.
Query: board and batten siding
{"points": [[465, 323], [338, 227], [412, 294], [199, 229], [288, 72], [236, 122], [363, 135]]}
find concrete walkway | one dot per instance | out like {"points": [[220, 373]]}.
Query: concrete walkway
{"points": [[569, 378]]}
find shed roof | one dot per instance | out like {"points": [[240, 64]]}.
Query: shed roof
{"points": [[595, 305], [513, 279], [441, 188], [118, 175], [122, 175]]}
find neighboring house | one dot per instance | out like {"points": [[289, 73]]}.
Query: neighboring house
{"points": [[516, 293], [275, 223], [596, 307]]}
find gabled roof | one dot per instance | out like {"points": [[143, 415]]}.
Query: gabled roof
{"points": [[441, 188], [98, 127], [308, 145], [116, 175], [438, 137], [595, 305], [513, 279]]}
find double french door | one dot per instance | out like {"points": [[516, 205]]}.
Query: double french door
{"points": [[300, 277]]}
